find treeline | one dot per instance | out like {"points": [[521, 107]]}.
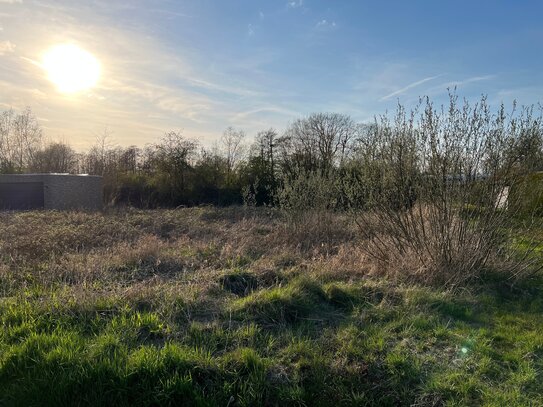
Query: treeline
{"points": [[325, 160], [180, 171]]}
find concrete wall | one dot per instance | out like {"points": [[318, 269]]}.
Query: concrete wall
{"points": [[62, 191]]}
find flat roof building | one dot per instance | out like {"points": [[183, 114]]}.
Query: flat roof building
{"points": [[50, 191]]}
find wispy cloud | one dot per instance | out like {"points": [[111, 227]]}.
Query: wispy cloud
{"points": [[215, 87], [295, 3], [267, 109], [325, 24], [462, 83], [410, 86], [6, 47], [469, 80], [263, 117], [169, 14], [11, 1], [161, 97], [250, 30]]}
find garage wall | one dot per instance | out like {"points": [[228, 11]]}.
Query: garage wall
{"points": [[21, 195], [73, 192], [60, 191]]}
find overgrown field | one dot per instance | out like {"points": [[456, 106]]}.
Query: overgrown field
{"points": [[235, 307]]}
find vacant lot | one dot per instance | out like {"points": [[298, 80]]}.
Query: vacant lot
{"points": [[235, 307]]}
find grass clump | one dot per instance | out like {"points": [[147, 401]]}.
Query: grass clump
{"points": [[283, 304], [239, 283], [348, 296]]}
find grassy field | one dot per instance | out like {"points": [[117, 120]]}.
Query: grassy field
{"points": [[234, 307]]}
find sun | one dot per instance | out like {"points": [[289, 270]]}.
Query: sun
{"points": [[71, 68]]}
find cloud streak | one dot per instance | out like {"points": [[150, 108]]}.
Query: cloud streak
{"points": [[408, 87], [442, 88], [6, 47], [469, 80]]}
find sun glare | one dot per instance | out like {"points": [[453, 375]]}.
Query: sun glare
{"points": [[71, 68]]}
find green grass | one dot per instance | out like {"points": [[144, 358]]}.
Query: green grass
{"points": [[175, 308]]}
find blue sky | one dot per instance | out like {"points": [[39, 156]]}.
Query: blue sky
{"points": [[202, 65]]}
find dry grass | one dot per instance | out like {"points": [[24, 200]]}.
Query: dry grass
{"points": [[202, 306], [78, 248]]}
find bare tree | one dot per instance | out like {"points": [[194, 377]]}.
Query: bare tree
{"points": [[56, 157], [322, 140], [97, 157], [232, 144], [173, 158], [128, 159], [267, 142], [20, 138]]}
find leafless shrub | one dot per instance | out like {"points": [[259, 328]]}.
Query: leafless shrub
{"points": [[309, 203], [434, 187]]}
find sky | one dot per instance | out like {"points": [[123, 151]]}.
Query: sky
{"points": [[199, 66]]}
